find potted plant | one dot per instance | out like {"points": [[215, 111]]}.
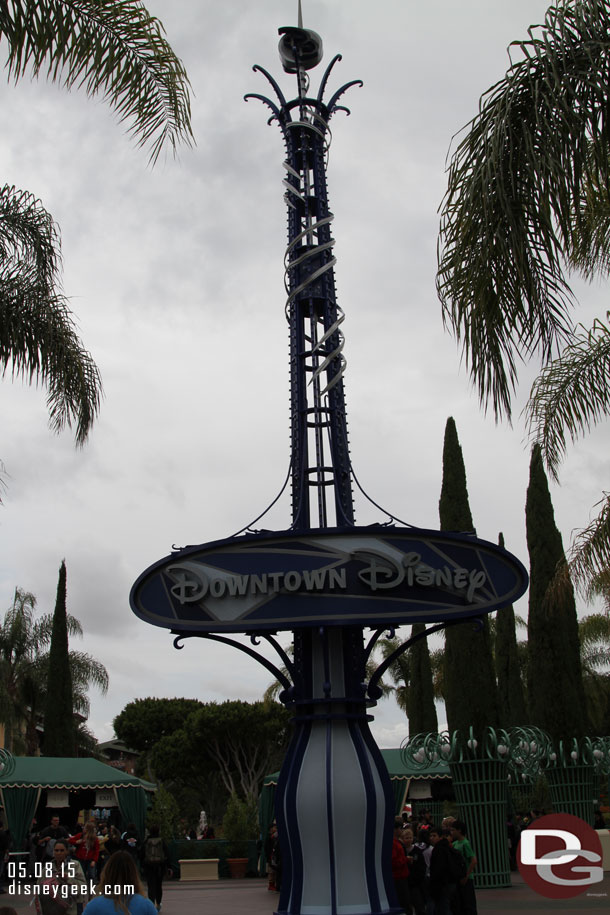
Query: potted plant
{"points": [[239, 825]]}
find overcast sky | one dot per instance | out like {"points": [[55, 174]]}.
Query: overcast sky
{"points": [[175, 275]]}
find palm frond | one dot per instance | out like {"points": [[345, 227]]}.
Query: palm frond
{"points": [[599, 586], [588, 251], [87, 671], [399, 669], [594, 636], [514, 190], [29, 236], [43, 628], [571, 394], [38, 341], [589, 555], [109, 47]]}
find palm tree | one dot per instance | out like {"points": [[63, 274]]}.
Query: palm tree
{"points": [[24, 661], [108, 48], [19, 671], [528, 200]]}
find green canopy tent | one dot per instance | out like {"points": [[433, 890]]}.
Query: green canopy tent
{"points": [[401, 777], [20, 790]]}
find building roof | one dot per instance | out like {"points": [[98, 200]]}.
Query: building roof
{"points": [[60, 772]]}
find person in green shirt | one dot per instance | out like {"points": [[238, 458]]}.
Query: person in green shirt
{"points": [[467, 902]]}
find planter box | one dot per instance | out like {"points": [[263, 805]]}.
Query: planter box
{"points": [[198, 869], [237, 867]]}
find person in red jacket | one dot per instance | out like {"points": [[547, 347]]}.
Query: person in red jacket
{"points": [[400, 868], [87, 849]]}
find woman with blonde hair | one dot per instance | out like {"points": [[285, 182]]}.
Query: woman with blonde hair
{"points": [[87, 849], [120, 889]]}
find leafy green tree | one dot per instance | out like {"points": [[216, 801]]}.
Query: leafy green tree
{"points": [[108, 48], [143, 722], [221, 750], [239, 824], [165, 813], [245, 741], [511, 697], [469, 681], [192, 779], [59, 736], [555, 685], [528, 200]]}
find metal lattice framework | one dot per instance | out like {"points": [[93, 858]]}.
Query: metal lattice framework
{"points": [[320, 449]]}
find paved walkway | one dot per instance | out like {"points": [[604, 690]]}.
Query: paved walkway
{"points": [[251, 897]]}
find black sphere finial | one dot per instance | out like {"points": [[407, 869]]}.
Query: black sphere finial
{"points": [[299, 48]]}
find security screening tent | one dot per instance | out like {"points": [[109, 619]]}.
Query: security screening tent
{"points": [[21, 789]]}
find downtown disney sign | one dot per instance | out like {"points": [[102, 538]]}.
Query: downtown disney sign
{"points": [[373, 576]]}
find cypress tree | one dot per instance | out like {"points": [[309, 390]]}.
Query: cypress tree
{"points": [[555, 687], [421, 710], [511, 696], [59, 730], [470, 685]]}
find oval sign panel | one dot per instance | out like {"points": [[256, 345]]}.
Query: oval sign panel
{"points": [[373, 576]]}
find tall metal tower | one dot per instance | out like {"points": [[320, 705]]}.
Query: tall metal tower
{"points": [[333, 792], [320, 464]]}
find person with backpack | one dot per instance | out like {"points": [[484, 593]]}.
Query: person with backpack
{"points": [[467, 902], [154, 860]]}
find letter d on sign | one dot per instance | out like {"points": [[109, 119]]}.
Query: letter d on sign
{"points": [[528, 845]]}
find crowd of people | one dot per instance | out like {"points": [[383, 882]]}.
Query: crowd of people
{"points": [[86, 869], [433, 867]]}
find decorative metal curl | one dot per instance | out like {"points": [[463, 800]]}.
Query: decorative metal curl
{"points": [[528, 748], [7, 763], [424, 750], [586, 751], [601, 754], [213, 637]]}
